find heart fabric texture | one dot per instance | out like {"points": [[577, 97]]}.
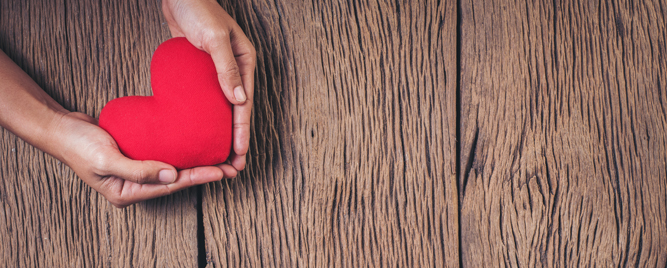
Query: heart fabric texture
{"points": [[188, 120]]}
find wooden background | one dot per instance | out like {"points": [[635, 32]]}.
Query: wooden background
{"points": [[385, 133]]}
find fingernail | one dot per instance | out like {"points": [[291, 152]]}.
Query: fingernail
{"points": [[239, 94], [166, 176]]}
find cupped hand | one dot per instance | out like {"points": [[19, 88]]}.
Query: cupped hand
{"points": [[94, 156], [208, 27]]}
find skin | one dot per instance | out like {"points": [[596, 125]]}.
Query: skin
{"points": [[76, 140]]}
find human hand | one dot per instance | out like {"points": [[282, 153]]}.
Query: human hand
{"points": [[208, 27], [94, 156]]}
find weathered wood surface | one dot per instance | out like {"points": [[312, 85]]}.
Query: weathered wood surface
{"points": [[353, 149], [353, 159], [84, 53], [563, 130]]}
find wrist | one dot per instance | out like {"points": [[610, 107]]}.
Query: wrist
{"points": [[51, 138], [34, 121]]}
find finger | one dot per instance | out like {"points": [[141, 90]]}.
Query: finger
{"points": [[228, 170], [246, 59], [141, 172], [131, 192], [229, 75], [241, 128], [238, 161]]}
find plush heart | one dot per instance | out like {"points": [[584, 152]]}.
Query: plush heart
{"points": [[186, 123]]}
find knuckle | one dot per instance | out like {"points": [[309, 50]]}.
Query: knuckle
{"points": [[123, 202], [169, 191], [193, 176], [118, 201], [215, 37], [242, 126], [139, 176], [232, 68], [100, 164]]}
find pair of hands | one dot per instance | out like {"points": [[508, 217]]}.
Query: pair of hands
{"points": [[93, 154]]}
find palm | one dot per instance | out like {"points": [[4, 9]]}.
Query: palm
{"points": [[95, 157]]}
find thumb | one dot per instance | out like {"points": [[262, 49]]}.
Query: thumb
{"points": [[229, 75], [142, 172]]}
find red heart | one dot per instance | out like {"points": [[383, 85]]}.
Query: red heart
{"points": [[186, 123]]}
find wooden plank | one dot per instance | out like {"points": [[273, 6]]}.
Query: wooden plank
{"points": [[352, 155], [83, 54], [564, 149]]}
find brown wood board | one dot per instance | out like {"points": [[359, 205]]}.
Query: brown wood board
{"points": [[563, 153], [353, 150], [84, 53], [353, 155]]}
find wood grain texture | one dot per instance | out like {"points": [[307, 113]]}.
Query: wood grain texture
{"points": [[352, 155], [563, 154], [84, 53]]}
